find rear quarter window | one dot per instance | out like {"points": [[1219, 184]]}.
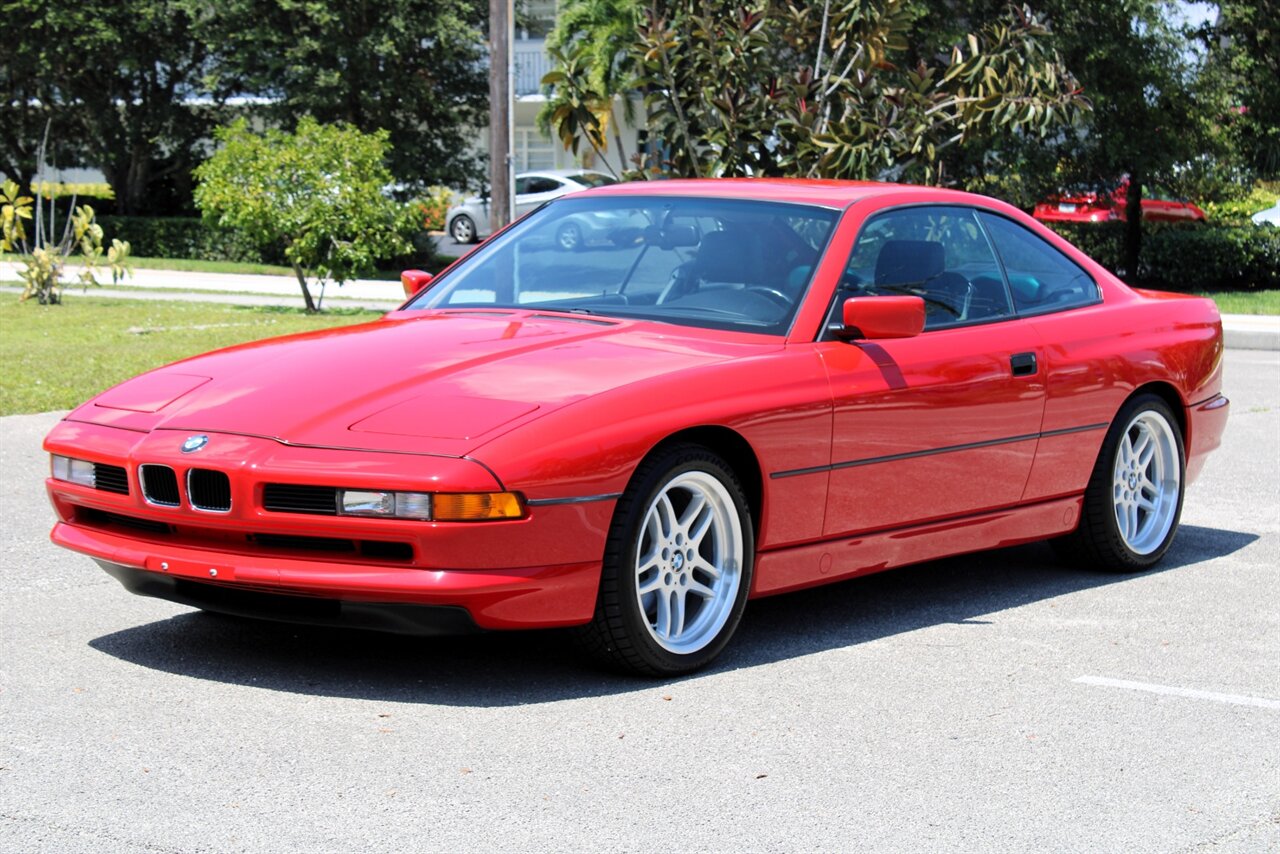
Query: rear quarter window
{"points": [[1040, 277]]}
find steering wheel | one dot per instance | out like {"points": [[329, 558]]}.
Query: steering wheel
{"points": [[772, 293]]}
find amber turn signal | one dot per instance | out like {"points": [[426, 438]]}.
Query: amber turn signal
{"points": [[476, 506]]}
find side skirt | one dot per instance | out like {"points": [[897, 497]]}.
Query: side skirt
{"points": [[834, 560]]}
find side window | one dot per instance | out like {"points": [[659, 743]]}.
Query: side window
{"points": [[522, 186], [542, 185], [938, 253], [1040, 277]]}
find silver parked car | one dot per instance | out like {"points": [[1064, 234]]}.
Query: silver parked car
{"points": [[469, 221]]}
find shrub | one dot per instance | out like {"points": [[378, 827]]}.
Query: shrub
{"points": [[1188, 257], [1237, 211], [185, 237], [435, 206], [1243, 258]]}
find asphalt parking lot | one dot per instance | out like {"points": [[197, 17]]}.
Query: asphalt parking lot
{"points": [[997, 702]]}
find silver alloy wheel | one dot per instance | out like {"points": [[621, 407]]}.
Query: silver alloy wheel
{"points": [[1146, 482], [463, 229], [689, 562]]}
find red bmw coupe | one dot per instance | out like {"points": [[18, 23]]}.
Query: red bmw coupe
{"points": [[755, 386]]}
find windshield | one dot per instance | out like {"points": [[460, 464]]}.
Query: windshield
{"points": [[719, 263]]}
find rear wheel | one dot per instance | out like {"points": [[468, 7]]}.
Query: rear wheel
{"points": [[677, 566], [1134, 499], [463, 229]]}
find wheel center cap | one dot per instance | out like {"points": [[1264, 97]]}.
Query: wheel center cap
{"points": [[677, 562], [1133, 481]]}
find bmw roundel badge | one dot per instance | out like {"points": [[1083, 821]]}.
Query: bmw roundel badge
{"points": [[194, 443]]}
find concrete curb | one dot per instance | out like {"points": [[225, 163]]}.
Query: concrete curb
{"points": [[1251, 331]]}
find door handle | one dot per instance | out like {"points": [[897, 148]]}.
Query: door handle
{"points": [[1023, 364]]}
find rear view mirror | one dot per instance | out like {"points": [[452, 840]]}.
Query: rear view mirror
{"points": [[882, 317], [671, 237], [414, 281]]}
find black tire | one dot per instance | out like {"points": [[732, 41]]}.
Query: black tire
{"points": [[569, 237], [1098, 543], [621, 635], [463, 229]]}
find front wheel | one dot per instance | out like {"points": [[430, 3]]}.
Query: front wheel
{"points": [[1134, 499], [677, 566]]}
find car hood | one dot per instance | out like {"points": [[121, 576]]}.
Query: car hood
{"points": [[435, 382]]}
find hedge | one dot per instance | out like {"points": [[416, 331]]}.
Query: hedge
{"points": [[183, 237], [1187, 257]]}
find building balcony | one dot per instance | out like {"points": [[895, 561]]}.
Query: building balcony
{"points": [[531, 63]]}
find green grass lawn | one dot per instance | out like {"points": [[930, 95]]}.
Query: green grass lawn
{"points": [[56, 357], [1247, 302], [189, 266]]}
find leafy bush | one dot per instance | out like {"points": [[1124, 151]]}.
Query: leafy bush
{"points": [[1243, 258], [435, 206], [1237, 211], [1188, 257], [186, 237], [318, 191]]}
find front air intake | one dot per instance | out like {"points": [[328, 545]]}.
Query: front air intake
{"points": [[209, 490], [159, 485], [110, 478]]}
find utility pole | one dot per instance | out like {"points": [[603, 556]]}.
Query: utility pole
{"points": [[501, 133]]}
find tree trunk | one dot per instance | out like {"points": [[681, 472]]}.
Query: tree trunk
{"points": [[306, 292], [1133, 226]]}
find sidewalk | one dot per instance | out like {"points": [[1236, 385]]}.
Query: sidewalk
{"points": [[228, 287], [1241, 331]]}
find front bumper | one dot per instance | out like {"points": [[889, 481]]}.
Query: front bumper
{"points": [[342, 593], [245, 602]]}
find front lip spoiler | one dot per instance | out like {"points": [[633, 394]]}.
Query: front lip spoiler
{"points": [[394, 617]]}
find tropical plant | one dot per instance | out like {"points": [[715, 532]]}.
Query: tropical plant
{"points": [[43, 254], [778, 88], [594, 72], [320, 192]]}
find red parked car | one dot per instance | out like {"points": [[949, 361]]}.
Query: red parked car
{"points": [[1157, 206], [771, 385]]}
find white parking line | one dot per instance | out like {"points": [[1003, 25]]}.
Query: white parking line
{"points": [[1234, 699]]}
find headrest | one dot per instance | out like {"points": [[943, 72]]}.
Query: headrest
{"points": [[909, 262]]}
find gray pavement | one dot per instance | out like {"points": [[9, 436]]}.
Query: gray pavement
{"points": [[996, 702]]}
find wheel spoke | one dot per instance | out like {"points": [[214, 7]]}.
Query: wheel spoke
{"points": [[1146, 503], [651, 585], [1122, 520], [701, 589], [1132, 511], [662, 623], [699, 526], [697, 503], [677, 615], [701, 564], [1144, 441], [1145, 455], [666, 515]]}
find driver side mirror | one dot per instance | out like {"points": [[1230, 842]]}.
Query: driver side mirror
{"points": [[414, 281], [881, 317]]}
